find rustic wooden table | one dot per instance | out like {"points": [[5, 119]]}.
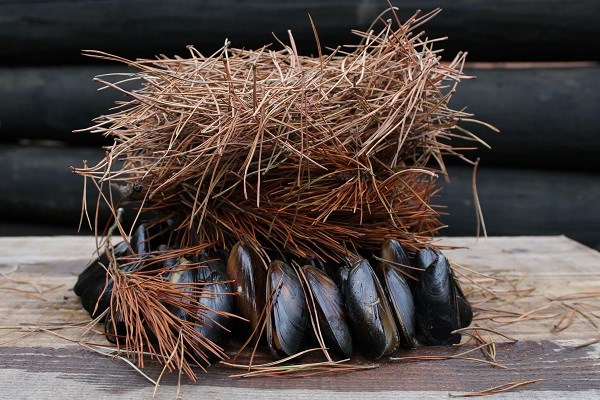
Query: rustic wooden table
{"points": [[543, 291]]}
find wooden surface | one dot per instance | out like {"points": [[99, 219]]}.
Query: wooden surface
{"points": [[551, 275]]}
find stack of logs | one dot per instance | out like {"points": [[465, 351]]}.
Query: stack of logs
{"points": [[538, 81]]}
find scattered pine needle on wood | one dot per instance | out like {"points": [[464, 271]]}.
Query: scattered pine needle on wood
{"points": [[501, 298], [459, 356], [497, 389], [283, 367]]}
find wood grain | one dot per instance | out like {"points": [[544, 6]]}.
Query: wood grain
{"points": [[36, 364]]}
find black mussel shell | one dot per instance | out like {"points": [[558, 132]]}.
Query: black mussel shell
{"points": [[213, 323], [95, 287], [287, 322], [171, 262], [217, 264], [464, 307], [369, 313], [115, 328], [401, 301], [160, 234], [330, 311], [183, 278], [394, 254], [313, 262], [465, 311], [422, 259], [340, 277], [248, 277], [425, 257], [428, 256], [95, 299], [96, 270], [392, 251], [209, 264], [203, 272], [437, 305]]}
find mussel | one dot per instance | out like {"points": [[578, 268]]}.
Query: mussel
{"points": [[288, 316], [183, 277], [370, 315], [438, 314], [352, 306], [330, 311], [94, 285], [212, 318], [248, 277], [401, 301]]}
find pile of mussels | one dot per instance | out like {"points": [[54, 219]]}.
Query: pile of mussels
{"points": [[375, 310]]}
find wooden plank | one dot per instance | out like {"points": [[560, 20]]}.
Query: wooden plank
{"points": [[489, 30], [42, 371], [38, 364]]}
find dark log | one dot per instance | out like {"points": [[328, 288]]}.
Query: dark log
{"points": [[55, 31], [524, 202], [49, 103], [548, 116], [37, 186]]}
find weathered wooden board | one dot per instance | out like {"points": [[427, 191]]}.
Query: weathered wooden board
{"points": [[55, 31], [37, 275], [48, 103]]}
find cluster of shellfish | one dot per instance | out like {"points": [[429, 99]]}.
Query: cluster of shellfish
{"points": [[401, 302]]}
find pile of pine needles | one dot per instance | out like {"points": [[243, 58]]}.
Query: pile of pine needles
{"points": [[307, 155]]}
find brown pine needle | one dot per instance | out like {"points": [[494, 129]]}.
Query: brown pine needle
{"points": [[168, 362], [588, 343], [478, 328], [583, 313], [459, 356], [526, 315], [280, 368], [565, 321], [580, 295], [497, 389]]}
